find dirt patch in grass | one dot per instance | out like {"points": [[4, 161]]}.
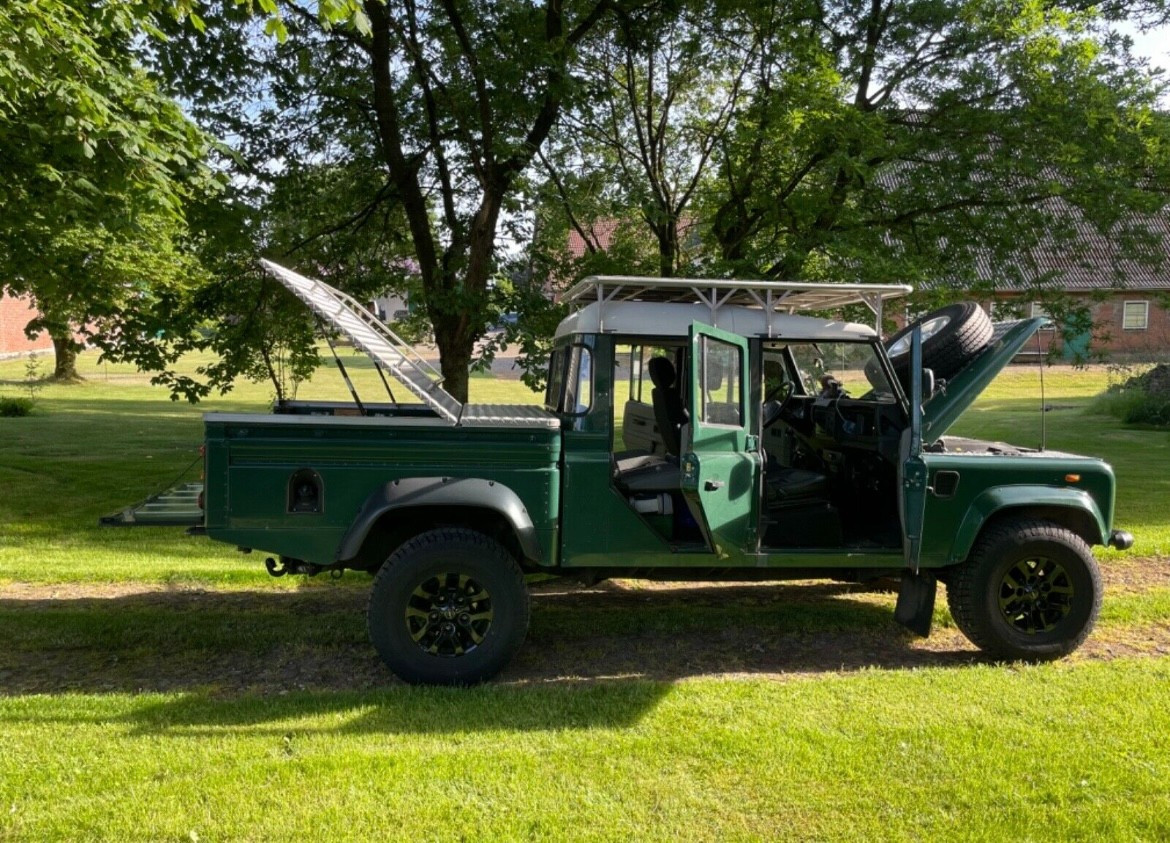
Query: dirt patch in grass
{"points": [[1131, 574], [131, 638]]}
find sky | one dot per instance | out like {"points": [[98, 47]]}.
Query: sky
{"points": [[1154, 45]]}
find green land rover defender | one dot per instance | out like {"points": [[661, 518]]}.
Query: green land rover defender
{"points": [[691, 429]]}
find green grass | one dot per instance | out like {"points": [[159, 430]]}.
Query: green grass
{"points": [[242, 707], [1039, 754], [87, 450]]}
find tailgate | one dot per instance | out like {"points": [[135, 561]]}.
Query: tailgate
{"points": [[177, 507]]}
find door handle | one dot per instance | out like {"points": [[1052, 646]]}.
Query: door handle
{"points": [[712, 485]]}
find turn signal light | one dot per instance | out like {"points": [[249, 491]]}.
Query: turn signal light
{"points": [[1072, 478]]}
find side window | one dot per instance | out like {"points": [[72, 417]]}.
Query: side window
{"points": [[556, 380], [631, 356], [720, 382], [579, 387], [775, 374]]}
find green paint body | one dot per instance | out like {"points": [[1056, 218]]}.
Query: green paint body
{"points": [[563, 478]]}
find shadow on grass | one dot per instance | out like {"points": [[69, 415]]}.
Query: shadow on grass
{"points": [[255, 657]]}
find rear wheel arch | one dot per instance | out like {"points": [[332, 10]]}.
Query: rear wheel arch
{"points": [[397, 511], [396, 526]]}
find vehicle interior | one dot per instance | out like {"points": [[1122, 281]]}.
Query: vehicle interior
{"points": [[830, 426]]}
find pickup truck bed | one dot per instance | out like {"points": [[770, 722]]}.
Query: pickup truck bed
{"points": [[258, 467]]}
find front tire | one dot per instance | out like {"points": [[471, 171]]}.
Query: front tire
{"points": [[449, 607], [1030, 591]]}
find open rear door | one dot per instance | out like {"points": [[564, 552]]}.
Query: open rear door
{"points": [[720, 467]]}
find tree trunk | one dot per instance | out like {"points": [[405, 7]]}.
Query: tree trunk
{"points": [[65, 348], [457, 311], [668, 249], [454, 362]]}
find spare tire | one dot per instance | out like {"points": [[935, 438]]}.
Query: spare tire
{"points": [[951, 336]]}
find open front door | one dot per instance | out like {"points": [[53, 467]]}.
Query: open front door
{"points": [[721, 460]]}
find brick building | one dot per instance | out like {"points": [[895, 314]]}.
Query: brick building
{"points": [[1129, 299], [15, 313]]}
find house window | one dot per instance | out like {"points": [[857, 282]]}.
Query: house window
{"points": [[1039, 311], [1135, 316]]}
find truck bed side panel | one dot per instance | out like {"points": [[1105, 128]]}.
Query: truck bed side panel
{"points": [[251, 462]]}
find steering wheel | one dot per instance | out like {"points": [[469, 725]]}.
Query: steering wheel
{"points": [[776, 400], [781, 392]]}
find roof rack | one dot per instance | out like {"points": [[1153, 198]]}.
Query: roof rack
{"points": [[770, 296]]}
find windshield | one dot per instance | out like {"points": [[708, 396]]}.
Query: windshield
{"points": [[854, 365]]}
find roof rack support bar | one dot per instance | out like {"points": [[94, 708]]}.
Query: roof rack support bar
{"points": [[875, 302]]}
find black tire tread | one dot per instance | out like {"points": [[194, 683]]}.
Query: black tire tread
{"points": [[485, 546], [962, 589], [947, 353]]}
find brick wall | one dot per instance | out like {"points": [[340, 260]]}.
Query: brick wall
{"points": [[15, 313], [1112, 340], [1152, 341]]}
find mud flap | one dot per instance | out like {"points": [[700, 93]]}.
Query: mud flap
{"points": [[915, 608]]}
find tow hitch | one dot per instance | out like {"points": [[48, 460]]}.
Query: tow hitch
{"points": [[287, 565]]}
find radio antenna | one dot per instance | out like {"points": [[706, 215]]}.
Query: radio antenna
{"points": [[1043, 406]]}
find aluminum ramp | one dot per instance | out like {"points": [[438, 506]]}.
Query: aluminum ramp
{"points": [[177, 507], [371, 335]]}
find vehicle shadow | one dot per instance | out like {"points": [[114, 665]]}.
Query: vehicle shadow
{"points": [[594, 656], [315, 637]]}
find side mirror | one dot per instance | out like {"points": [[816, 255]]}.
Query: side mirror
{"points": [[928, 385]]}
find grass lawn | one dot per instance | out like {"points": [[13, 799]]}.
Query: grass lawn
{"points": [[155, 686]]}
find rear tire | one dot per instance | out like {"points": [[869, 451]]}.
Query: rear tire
{"points": [[1030, 590], [449, 607]]}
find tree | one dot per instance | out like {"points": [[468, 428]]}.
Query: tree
{"points": [[907, 140], [97, 163], [663, 90], [446, 103]]}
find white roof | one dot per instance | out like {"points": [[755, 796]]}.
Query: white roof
{"points": [[630, 304], [789, 296], [667, 319]]}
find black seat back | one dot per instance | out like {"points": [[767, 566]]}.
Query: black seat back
{"points": [[669, 412]]}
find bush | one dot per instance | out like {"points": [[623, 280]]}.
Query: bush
{"points": [[1142, 399], [1148, 409], [11, 407]]}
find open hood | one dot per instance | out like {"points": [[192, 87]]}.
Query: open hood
{"points": [[941, 411]]}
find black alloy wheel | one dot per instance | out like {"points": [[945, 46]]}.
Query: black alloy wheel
{"points": [[1030, 590], [1035, 595], [449, 607], [449, 614]]}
